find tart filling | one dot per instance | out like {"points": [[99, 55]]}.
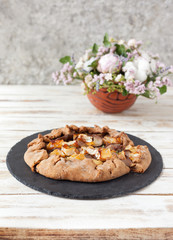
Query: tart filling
{"points": [[97, 148]]}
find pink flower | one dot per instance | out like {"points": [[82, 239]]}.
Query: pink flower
{"points": [[109, 63], [96, 78], [135, 87], [66, 67], [166, 81], [102, 78], [160, 65], [153, 90], [112, 49], [55, 76], [75, 74], [65, 75], [102, 50], [158, 83]]}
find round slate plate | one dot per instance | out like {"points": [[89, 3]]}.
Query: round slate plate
{"points": [[124, 185]]}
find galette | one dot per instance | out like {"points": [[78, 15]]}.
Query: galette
{"points": [[86, 154]]}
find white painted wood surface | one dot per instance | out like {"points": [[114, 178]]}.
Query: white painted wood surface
{"points": [[25, 110]]}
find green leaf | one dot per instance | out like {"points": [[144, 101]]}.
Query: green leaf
{"points": [[121, 50], [128, 50], [94, 64], [163, 89], [95, 48], [131, 59], [146, 94], [125, 92], [123, 64], [106, 41], [66, 59]]}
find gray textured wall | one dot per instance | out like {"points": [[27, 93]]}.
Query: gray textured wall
{"points": [[34, 34]]}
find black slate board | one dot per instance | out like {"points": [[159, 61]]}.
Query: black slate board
{"points": [[124, 185]]}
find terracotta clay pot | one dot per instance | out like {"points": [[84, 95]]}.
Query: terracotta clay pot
{"points": [[113, 102]]}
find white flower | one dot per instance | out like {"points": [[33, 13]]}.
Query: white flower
{"points": [[129, 66], [79, 64], [130, 71], [90, 85], [87, 63], [143, 69], [142, 64], [141, 76], [83, 60], [153, 65], [88, 78], [129, 76], [132, 43], [111, 39], [139, 69], [118, 77], [108, 76], [145, 55], [120, 42], [87, 55]]}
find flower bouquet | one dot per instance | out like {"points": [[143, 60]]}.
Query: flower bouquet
{"points": [[115, 73]]}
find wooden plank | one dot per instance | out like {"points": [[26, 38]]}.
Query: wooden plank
{"points": [[46, 98], [41, 124], [105, 234], [62, 101], [37, 90], [42, 211], [67, 109]]}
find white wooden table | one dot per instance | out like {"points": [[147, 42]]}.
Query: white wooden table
{"points": [[26, 213]]}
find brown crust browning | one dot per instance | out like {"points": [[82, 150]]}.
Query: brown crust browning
{"points": [[84, 171], [74, 129], [39, 160]]}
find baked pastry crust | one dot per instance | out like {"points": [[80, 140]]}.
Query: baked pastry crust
{"points": [[86, 154]]}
